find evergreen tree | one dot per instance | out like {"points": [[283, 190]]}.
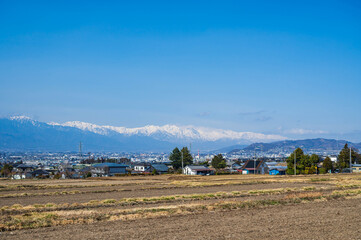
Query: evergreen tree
{"points": [[6, 170], [187, 156], [290, 161], [218, 162], [343, 160], [305, 164], [327, 164], [176, 157]]}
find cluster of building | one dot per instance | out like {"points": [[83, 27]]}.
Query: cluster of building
{"points": [[67, 165], [108, 169]]}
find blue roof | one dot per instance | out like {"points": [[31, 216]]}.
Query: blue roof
{"points": [[280, 168], [160, 167], [110, 165]]}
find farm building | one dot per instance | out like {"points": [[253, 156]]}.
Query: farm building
{"points": [[197, 170], [278, 170], [108, 169], [255, 167], [142, 168], [149, 167], [160, 168], [356, 168]]}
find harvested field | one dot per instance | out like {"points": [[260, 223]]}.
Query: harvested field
{"points": [[160, 206]]}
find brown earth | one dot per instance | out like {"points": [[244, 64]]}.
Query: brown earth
{"points": [[319, 218], [135, 193], [338, 219]]}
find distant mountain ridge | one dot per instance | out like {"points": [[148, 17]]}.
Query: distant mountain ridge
{"points": [[21, 133], [308, 145]]}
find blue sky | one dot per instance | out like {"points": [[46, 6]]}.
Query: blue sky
{"points": [[284, 67]]}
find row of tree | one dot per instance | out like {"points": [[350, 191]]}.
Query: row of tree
{"points": [[305, 164], [218, 161], [308, 164], [177, 156]]}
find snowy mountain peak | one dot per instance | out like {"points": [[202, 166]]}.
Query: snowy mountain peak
{"points": [[168, 132], [20, 118]]}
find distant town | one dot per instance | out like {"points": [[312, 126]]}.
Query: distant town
{"points": [[74, 165]]}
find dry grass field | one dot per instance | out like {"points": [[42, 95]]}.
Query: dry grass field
{"points": [[183, 207]]}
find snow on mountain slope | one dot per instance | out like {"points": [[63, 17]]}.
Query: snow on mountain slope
{"points": [[173, 131]]}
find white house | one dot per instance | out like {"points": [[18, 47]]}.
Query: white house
{"points": [[197, 170]]}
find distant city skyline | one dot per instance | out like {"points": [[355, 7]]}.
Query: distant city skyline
{"points": [[285, 68]]}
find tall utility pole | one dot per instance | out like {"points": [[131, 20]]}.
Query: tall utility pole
{"points": [[80, 149], [254, 162], [350, 161], [190, 149], [182, 161], [295, 163]]}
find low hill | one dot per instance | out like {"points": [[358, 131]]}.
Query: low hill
{"points": [[308, 145]]}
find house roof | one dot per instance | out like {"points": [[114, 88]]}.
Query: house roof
{"points": [[160, 167], [24, 166], [113, 165], [250, 164], [198, 168], [40, 171]]}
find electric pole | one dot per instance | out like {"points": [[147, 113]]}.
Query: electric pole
{"points": [[182, 162], [350, 161], [295, 162], [254, 162]]}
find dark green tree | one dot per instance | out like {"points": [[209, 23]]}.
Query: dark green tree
{"points": [[205, 163], [327, 164], [176, 157], [343, 160], [187, 156], [6, 170], [314, 159], [218, 162], [300, 158]]}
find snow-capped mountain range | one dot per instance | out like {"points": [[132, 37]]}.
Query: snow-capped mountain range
{"points": [[24, 133], [173, 131]]}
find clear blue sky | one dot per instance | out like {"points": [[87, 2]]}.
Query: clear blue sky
{"points": [[286, 67]]}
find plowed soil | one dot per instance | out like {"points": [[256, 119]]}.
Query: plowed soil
{"points": [[331, 220]]}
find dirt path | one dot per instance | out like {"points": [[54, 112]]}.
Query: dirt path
{"points": [[338, 219]]}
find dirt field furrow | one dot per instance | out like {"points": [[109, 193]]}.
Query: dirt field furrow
{"points": [[334, 220]]}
